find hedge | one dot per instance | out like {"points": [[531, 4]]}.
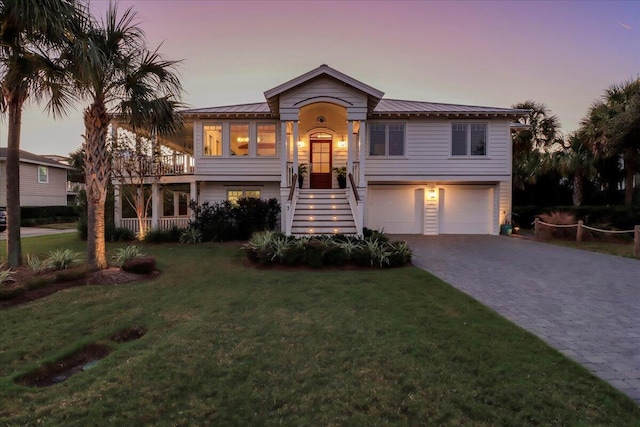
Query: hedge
{"points": [[36, 215]]}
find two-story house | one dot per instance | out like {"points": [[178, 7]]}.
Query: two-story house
{"points": [[411, 167]]}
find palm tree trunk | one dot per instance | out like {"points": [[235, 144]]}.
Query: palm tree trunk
{"points": [[578, 188], [97, 175], [14, 249], [628, 181]]}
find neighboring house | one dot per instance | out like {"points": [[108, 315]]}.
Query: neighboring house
{"points": [[412, 167], [43, 182]]}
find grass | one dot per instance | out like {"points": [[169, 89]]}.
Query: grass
{"points": [[231, 345], [60, 226], [622, 247], [618, 249]]}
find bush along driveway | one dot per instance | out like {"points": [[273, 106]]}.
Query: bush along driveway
{"points": [[584, 304]]}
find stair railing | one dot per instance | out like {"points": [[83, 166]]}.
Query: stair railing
{"points": [[291, 204]]}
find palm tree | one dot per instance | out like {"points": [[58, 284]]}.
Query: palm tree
{"points": [[32, 33], [612, 127], [115, 71], [531, 144], [575, 160]]}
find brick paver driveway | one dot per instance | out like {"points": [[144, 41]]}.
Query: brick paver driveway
{"points": [[585, 304]]}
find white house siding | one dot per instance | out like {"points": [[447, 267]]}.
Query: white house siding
{"points": [[33, 193], [428, 153], [244, 168], [217, 191], [324, 88]]}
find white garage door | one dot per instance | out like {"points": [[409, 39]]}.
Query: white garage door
{"points": [[397, 210], [465, 210]]}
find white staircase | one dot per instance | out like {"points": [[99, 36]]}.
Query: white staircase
{"points": [[323, 212]]}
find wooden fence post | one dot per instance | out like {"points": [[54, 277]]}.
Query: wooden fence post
{"points": [[579, 233], [636, 241], [536, 229]]}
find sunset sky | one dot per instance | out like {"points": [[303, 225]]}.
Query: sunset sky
{"points": [[479, 53]]}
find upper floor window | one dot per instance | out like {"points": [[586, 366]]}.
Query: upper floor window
{"points": [[212, 144], [236, 139], [469, 139], [43, 174], [386, 139], [239, 142], [266, 140]]}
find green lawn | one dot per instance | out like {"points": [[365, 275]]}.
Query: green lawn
{"points": [[232, 345]]}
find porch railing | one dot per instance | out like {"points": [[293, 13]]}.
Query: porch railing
{"points": [[170, 164], [133, 224], [355, 171]]}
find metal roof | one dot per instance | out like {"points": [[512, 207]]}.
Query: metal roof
{"points": [[27, 157], [384, 107], [399, 106], [255, 108]]}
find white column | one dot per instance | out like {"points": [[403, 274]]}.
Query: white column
{"points": [[117, 205], [284, 154], [155, 197], [176, 203], [363, 152], [350, 146], [193, 194], [295, 148]]}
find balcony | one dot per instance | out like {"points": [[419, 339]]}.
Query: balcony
{"points": [[163, 165]]}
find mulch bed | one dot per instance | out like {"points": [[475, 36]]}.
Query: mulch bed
{"points": [[109, 276]]}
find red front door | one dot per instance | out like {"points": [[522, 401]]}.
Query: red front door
{"points": [[320, 174]]}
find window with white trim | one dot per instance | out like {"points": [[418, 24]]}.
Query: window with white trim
{"points": [[212, 144], [239, 141], [468, 139], [43, 174], [234, 195], [266, 134], [387, 139]]}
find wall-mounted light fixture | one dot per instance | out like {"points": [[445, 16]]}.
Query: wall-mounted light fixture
{"points": [[431, 193], [342, 144], [300, 144]]}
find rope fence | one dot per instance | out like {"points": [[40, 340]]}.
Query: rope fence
{"points": [[580, 226]]}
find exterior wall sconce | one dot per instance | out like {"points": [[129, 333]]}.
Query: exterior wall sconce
{"points": [[342, 144], [431, 193], [300, 144]]}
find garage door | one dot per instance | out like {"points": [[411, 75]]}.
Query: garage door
{"points": [[465, 210], [399, 210]]}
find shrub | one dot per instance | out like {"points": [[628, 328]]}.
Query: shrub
{"points": [[272, 247], [128, 253], [163, 235], [141, 265], [335, 255], [119, 234], [36, 265], [36, 215], [6, 275], [190, 235], [374, 234], [314, 253], [558, 218], [223, 221], [63, 259]]}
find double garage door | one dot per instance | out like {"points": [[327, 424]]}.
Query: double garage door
{"points": [[401, 210]]}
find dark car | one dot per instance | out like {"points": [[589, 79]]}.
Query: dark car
{"points": [[3, 219]]}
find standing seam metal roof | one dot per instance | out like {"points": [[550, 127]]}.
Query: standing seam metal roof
{"points": [[385, 106]]}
